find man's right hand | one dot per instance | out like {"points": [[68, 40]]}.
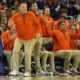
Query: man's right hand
{"points": [[38, 35], [13, 36]]}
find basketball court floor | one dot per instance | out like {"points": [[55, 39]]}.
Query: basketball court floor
{"points": [[41, 78]]}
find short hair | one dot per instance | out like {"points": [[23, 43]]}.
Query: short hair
{"points": [[61, 17], [63, 11], [45, 8], [61, 22], [33, 2], [22, 3]]}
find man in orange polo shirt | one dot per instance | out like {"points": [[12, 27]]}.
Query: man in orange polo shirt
{"points": [[73, 42], [77, 23], [62, 46], [8, 42], [37, 43], [49, 26], [23, 22]]}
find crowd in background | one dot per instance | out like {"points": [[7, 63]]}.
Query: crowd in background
{"points": [[9, 7]]}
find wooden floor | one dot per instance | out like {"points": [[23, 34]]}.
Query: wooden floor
{"points": [[42, 78]]}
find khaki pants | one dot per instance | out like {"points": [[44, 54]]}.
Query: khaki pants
{"points": [[67, 55], [37, 47], [78, 42], [76, 57], [45, 55], [9, 54], [27, 49], [79, 67]]}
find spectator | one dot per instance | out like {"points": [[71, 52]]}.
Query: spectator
{"points": [[77, 5], [41, 4], [4, 3], [8, 41], [72, 11], [4, 23], [73, 42], [63, 12], [56, 9], [77, 23], [65, 2], [15, 6], [3, 14]]}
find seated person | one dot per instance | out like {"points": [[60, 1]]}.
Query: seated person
{"points": [[73, 42], [8, 41], [62, 47]]}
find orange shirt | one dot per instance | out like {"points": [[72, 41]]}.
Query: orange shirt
{"points": [[24, 25], [61, 40], [73, 44], [43, 22], [56, 25], [36, 29], [8, 43], [44, 26], [50, 25], [76, 23]]}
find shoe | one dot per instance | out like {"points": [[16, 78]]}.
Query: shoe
{"points": [[63, 74], [40, 72], [27, 74], [14, 73], [75, 72], [67, 72]]}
